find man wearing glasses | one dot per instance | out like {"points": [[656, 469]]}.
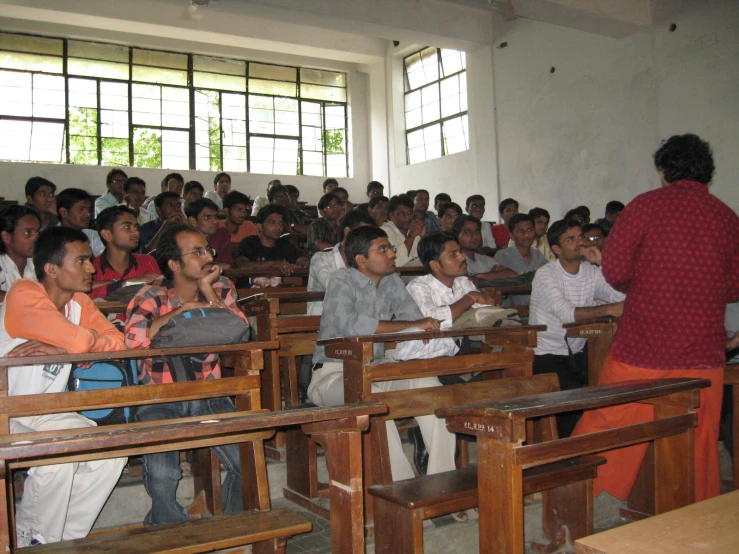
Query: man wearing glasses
{"points": [[594, 236], [192, 280], [324, 233], [403, 231], [114, 197], [202, 214]]}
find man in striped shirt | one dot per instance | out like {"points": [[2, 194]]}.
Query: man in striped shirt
{"points": [[567, 290]]}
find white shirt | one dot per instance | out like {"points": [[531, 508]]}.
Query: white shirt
{"points": [[107, 200], [213, 195], [10, 273], [555, 295], [397, 239], [144, 216], [487, 235], [322, 266], [259, 203]]}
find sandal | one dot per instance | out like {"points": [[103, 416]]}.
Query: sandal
{"points": [[466, 515]]}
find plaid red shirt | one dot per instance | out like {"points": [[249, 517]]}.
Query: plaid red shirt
{"points": [[153, 302], [674, 251], [138, 264]]}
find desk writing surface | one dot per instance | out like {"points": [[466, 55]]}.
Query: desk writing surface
{"points": [[711, 526]]}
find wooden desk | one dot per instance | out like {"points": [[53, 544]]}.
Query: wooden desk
{"points": [[599, 333], [711, 526]]}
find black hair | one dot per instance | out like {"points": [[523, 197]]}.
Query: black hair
{"points": [[194, 208], [69, 197], [326, 200], [107, 218], [411, 194], [442, 197], [270, 209], [292, 190], [192, 185], [518, 218], [218, 177], [559, 228], [271, 193], [431, 246], [593, 226], [112, 173], [10, 216], [273, 181], [162, 197], [167, 248], [340, 189], [536, 213], [614, 206], [354, 219], [685, 157], [235, 197], [51, 247], [585, 210], [446, 205], [506, 202], [374, 185], [330, 181], [461, 220], [359, 242], [169, 176], [130, 181], [35, 183], [400, 200], [472, 198], [376, 200], [420, 190], [574, 212]]}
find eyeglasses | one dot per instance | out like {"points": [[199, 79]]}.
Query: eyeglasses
{"points": [[593, 238], [384, 249], [200, 252], [335, 206]]}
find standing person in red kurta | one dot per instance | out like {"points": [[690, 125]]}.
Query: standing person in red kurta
{"points": [[675, 253]]}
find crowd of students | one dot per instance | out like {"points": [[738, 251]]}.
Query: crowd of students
{"points": [[174, 247]]}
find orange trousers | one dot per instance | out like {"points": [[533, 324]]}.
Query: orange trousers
{"points": [[618, 475]]}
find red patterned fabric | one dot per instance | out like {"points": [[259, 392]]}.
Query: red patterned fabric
{"points": [[675, 253]]}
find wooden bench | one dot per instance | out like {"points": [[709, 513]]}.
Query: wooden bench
{"points": [[505, 446], [599, 333], [400, 508], [359, 374], [500, 294], [708, 526]]}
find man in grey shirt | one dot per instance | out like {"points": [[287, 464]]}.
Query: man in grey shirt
{"points": [[361, 300]]}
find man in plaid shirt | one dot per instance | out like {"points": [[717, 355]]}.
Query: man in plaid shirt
{"points": [[192, 280]]}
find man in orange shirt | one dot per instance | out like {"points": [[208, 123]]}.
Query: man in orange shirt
{"points": [[62, 501], [237, 206]]}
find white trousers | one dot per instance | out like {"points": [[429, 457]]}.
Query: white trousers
{"points": [[327, 389], [62, 501]]}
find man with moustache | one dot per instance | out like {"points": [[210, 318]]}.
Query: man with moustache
{"points": [[193, 280], [202, 214], [403, 231], [19, 227], [566, 290], [237, 206], [74, 207]]}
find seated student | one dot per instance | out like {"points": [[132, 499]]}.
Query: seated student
{"points": [[475, 206], [577, 214], [403, 231], [324, 232], [585, 211], [192, 191], [441, 198], [421, 211], [541, 224], [172, 182], [193, 280], [134, 195], [74, 207], [374, 188], [521, 257], [118, 262], [613, 210], [40, 196], [369, 297], [343, 195], [329, 185], [377, 209], [51, 317], [19, 227], [169, 213], [479, 266], [294, 194], [202, 214], [567, 290], [114, 197], [594, 235], [279, 196], [447, 215], [270, 249], [262, 201], [236, 206], [221, 187], [501, 233], [324, 264]]}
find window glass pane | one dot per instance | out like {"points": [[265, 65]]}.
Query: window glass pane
{"points": [[412, 100], [113, 124], [413, 119], [114, 96], [275, 88], [273, 156], [430, 103], [92, 68], [147, 148], [432, 141], [83, 93], [31, 62], [175, 149], [48, 96], [159, 59], [147, 107], [220, 82], [321, 77], [175, 107], [234, 158], [97, 51], [115, 151], [451, 61], [318, 92], [15, 93], [272, 72], [37, 45], [219, 65], [312, 163], [456, 135], [336, 165], [31, 141], [207, 131], [422, 68], [273, 116], [159, 75]]}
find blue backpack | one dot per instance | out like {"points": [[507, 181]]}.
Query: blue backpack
{"points": [[106, 375]]}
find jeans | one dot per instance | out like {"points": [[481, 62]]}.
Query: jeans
{"points": [[162, 472]]}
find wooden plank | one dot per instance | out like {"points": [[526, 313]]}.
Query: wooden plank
{"points": [[708, 526], [419, 335]]}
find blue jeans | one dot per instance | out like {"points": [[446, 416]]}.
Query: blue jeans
{"points": [[162, 472]]}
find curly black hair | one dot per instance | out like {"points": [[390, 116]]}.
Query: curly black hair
{"points": [[685, 157]]}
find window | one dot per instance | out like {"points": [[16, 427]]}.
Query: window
{"points": [[435, 104], [79, 102]]}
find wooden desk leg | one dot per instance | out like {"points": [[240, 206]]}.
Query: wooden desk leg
{"points": [[500, 492], [342, 443], [640, 504], [674, 464], [5, 521]]}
